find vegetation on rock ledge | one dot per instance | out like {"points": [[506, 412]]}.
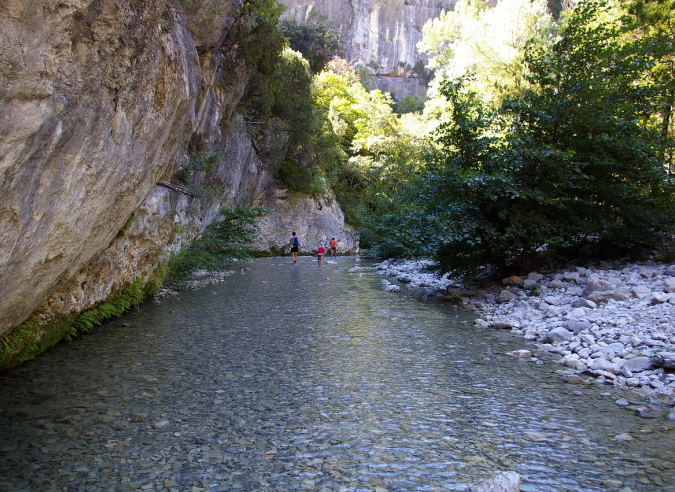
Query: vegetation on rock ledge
{"points": [[221, 243]]}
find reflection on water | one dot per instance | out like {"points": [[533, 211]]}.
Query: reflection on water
{"points": [[298, 377]]}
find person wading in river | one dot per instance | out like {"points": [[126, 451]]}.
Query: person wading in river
{"points": [[295, 247], [333, 247], [319, 253]]}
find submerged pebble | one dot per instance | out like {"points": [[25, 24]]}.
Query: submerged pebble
{"points": [[300, 383]]}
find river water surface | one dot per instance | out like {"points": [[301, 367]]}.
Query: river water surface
{"points": [[299, 377]]}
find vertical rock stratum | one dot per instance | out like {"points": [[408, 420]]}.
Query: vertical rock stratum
{"points": [[101, 102]]}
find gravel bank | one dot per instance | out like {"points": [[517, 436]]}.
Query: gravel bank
{"points": [[610, 323]]}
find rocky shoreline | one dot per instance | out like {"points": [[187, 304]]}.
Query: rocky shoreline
{"points": [[611, 323], [197, 280]]}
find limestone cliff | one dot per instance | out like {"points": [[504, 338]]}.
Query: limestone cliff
{"points": [[101, 103], [315, 221], [381, 35]]}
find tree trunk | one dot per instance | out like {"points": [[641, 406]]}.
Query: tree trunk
{"points": [[665, 127]]}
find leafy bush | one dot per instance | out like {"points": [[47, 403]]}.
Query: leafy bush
{"points": [[202, 161], [317, 40], [573, 160], [222, 242]]}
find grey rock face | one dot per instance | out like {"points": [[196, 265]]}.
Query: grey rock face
{"points": [[97, 103], [378, 33], [315, 221], [89, 124], [381, 35]]}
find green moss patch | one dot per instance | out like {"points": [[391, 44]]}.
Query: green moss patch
{"points": [[31, 338]]}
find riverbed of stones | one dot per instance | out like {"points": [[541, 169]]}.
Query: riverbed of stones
{"points": [[196, 280], [610, 322]]}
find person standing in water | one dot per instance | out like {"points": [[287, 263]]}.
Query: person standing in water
{"points": [[320, 251], [295, 247], [333, 247]]}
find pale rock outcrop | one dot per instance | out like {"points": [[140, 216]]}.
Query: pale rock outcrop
{"points": [[315, 221], [95, 101]]}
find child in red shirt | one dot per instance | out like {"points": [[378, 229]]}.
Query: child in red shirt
{"points": [[319, 253]]}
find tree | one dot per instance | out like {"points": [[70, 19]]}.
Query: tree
{"points": [[317, 40], [485, 41], [408, 104], [373, 143], [570, 161], [655, 20]]}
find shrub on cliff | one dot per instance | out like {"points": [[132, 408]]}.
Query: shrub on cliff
{"points": [[222, 242], [317, 39]]}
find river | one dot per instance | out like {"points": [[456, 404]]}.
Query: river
{"points": [[299, 377]]}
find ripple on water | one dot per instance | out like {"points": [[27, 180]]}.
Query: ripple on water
{"points": [[279, 379]]}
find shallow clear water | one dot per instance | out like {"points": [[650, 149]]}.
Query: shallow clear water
{"points": [[305, 378]]}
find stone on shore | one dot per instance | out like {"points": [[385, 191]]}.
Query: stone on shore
{"points": [[502, 482], [558, 335], [669, 285], [614, 321], [387, 286], [659, 298], [505, 296], [638, 364], [665, 360], [512, 280], [596, 285], [576, 326]]}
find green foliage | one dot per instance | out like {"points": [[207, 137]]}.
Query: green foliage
{"points": [[584, 126], [201, 161], [28, 340], [367, 136], [655, 21], [31, 338], [257, 41], [572, 160], [288, 126], [278, 101], [114, 306], [485, 40], [365, 77], [408, 104], [194, 10], [222, 242], [317, 40]]}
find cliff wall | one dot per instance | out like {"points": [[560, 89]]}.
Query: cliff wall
{"points": [[101, 104], [379, 34]]}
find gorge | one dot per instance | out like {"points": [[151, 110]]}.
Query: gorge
{"points": [[103, 105]]}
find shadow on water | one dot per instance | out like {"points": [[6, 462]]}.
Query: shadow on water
{"points": [[298, 377]]}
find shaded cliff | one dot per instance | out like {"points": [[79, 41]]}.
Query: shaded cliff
{"points": [[103, 105]]}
